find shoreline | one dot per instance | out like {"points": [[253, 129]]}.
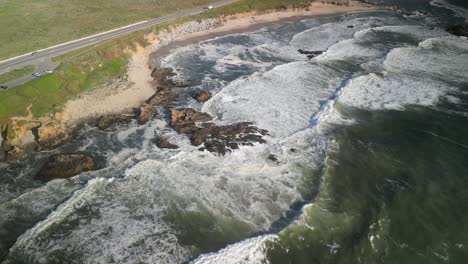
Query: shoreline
{"points": [[120, 99], [129, 96], [240, 23]]}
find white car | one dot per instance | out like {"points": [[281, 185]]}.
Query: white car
{"points": [[208, 7], [36, 74], [48, 71]]}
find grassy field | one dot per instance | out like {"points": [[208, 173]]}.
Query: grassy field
{"points": [[85, 69], [15, 74], [27, 25]]}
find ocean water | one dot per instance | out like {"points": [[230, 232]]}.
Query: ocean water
{"points": [[370, 140]]}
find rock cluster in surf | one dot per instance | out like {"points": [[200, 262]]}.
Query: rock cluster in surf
{"points": [[196, 125], [65, 166]]}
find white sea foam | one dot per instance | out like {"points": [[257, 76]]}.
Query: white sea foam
{"points": [[350, 50], [371, 44], [282, 100], [250, 251], [445, 58], [460, 11], [244, 185], [392, 92], [324, 36], [102, 229]]}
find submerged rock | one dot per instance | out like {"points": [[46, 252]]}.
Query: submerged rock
{"points": [[310, 54], [53, 141], [202, 96], [164, 143], [15, 153], [105, 122], [459, 30], [65, 166], [181, 84]]}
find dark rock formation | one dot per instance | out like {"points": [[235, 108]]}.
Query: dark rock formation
{"points": [[219, 139], [105, 122], [54, 142], [161, 75], [65, 166], [146, 113], [223, 139], [273, 158], [459, 30], [181, 84], [164, 96], [164, 143], [15, 153], [183, 119], [310, 54], [202, 96]]}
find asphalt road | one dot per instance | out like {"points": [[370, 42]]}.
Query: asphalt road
{"points": [[42, 58]]}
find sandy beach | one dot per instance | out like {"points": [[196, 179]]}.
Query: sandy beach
{"points": [[122, 96]]}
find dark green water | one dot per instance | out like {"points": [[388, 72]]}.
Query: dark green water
{"points": [[462, 3], [394, 191]]}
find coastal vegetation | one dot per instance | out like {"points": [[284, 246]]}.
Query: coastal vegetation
{"points": [[29, 25], [15, 74]]}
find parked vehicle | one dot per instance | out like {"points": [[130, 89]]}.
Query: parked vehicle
{"points": [[48, 71], [36, 74], [3, 87]]}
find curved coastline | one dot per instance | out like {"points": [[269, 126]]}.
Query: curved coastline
{"points": [[126, 95]]}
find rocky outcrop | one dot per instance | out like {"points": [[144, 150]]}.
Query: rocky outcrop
{"points": [[163, 143], [310, 54], [183, 119], [202, 96], [21, 134], [52, 134], [460, 30], [147, 112], [218, 139], [65, 166], [161, 75], [105, 122], [223, 139]]}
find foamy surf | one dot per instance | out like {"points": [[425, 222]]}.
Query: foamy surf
{"points": [[174, 206]]}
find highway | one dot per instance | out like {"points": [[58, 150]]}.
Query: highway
{"points": [[42, 58]]}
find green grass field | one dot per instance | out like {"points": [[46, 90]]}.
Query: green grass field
{"points": [[27, 25], [15, 74], [85, 69]]}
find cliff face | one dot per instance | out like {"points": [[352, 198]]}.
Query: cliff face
{"points": [[25, 135]]}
